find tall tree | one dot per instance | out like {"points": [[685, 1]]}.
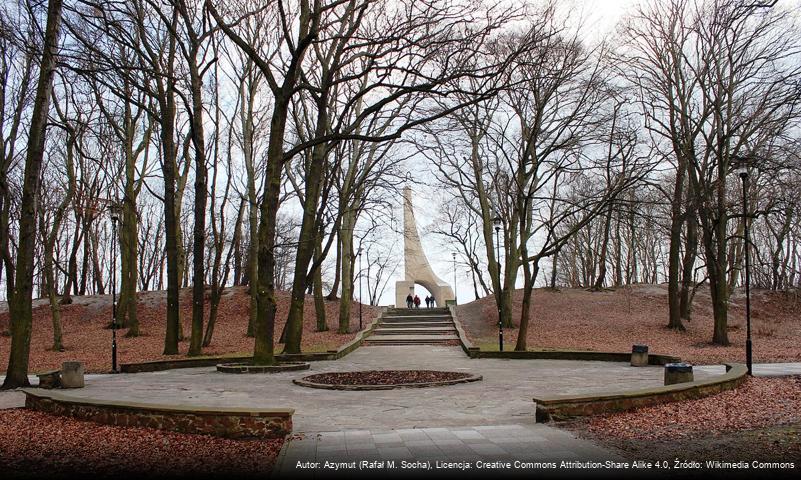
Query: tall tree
{"points": [[20, 305]]}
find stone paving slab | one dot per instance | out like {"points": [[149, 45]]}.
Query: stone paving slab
{"points": [[308, 455]]}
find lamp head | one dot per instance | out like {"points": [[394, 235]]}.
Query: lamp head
{"points": [[497, 222], [453, 254], [742, 170], [742, 164], [115, 211]]}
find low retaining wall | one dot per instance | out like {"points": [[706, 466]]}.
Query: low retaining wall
{"points": [[588, 356], [217, 421], [553, 354], [211, 361], [465, 343], [560, 407]]}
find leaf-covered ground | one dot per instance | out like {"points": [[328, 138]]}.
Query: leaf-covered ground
{"points": [[615, 320], [87, 338], [38, 445], [384, 377], [759, 420]]}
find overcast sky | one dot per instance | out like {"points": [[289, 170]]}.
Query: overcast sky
{"points": [[599, 18]]}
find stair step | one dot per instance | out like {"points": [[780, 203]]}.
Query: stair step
{"points": [[414, 337], [388, 343], [418, 319], [414, 331], [415, 324], [422, 311]]}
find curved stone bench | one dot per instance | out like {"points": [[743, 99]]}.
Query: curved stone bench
{"points": [[559, 407], [218, 421]]}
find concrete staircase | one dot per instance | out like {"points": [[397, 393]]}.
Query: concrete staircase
{"points": [[414, 326]]}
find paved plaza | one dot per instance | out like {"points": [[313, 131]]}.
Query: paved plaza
{"points": [[503, 397]]}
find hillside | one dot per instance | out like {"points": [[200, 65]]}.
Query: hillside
{"points": [[87, 339], [614, 320]]}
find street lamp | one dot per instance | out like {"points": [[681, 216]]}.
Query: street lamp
{"points": [[114, 213], [742, 171], [453, 254], [359, 253], [497, 223]]}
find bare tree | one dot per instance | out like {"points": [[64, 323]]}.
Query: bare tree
{"points": [[715, 86], [20, 302]]}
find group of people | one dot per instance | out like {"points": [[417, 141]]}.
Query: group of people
{"points": [[415, 301]]}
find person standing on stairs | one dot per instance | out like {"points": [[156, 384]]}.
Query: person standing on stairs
{"points": [[433, 302], [416, 301], [428, 302], [409, 301]]}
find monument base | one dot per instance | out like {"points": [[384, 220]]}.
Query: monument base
{"points": [[403, 288]]}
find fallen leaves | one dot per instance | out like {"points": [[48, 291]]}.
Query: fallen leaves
{"points": [[759, 421], [88, 340], [616, 320], [384, 377], [35, 444], [759, 402]]}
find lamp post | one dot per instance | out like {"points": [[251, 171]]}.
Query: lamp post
{"points": [[114, 211], [453, 254], [360, 287], [497, 223], [742, 171]]}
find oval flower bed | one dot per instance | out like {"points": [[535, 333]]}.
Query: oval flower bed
{"points": [[385, 379]]}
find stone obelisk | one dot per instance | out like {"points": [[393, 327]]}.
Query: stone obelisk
{"points": [[418, 270]]}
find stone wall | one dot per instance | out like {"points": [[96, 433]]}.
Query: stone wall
{"points": [[562, 407], [220, 422]]}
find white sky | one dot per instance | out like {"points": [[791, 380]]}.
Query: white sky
{"points": [[599, 18]]}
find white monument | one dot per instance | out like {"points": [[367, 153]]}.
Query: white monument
{"points": [[418, 270]]}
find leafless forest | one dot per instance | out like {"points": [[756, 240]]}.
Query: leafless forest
{"points": [[163, 144]]}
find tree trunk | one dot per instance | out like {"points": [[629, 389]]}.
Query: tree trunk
{"points": [[171, 243], [264, 328], [529, 277], [332, 295], [253, 224], [129, 245], [308, 239], [688, 262], [319, 300], [201, 194], [346, 236], [674, 250], [599, 281], [20, 308]]}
